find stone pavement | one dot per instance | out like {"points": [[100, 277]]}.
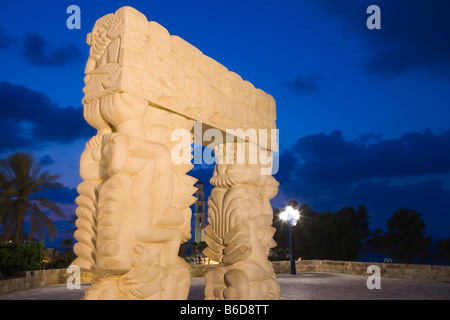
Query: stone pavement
{"points": [[303, 286]]}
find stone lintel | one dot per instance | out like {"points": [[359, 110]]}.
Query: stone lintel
{"points": [[130, 54]]}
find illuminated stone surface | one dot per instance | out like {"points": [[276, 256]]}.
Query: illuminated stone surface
{"points": [[134, 206]]}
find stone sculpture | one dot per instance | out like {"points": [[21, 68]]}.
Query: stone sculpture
{"points": [[239, 234], [134, 205]]}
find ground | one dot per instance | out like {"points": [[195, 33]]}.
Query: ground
{"points": [[303, 286]]}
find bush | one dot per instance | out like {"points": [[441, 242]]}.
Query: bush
{"points": [[18, 257]]}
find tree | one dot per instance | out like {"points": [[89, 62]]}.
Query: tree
{"points": [[405, 239], [197, 248], [443, 248], [182, 252], [363, 228], [335, 236], [18, 257], [193, 246], [281, 236], [21, 179], [73, 218], [319, 239], [68, 252]]}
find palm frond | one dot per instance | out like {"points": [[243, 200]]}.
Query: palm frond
{"points": [[39, 221], [20, 178], [45, 203]]}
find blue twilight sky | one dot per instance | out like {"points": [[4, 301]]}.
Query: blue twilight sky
{"points": [[364, 115]]}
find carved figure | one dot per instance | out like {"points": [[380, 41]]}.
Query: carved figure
{"points": [[134, 203], [239, 234]]}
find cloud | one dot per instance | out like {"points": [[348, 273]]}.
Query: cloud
{"points": [[382, 199], [10, 135], [46, 160], [28, 118], [413, 36], [61, 195], [333, 159], [302, 84], [39, 53], [329, 171]]}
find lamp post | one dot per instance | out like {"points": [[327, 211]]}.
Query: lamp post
{"points": [[291, 216]]}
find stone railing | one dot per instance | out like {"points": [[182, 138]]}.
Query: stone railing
{"points": [[389, 270], [40, 278]]}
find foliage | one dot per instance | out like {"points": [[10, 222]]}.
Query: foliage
{"points": [[21, 179], [345, 235], [68, 255], [336, 236], [72, 219], [196, 249], [182, 252], [404, 239], [278, 254], [443, 247], [18, 257]]}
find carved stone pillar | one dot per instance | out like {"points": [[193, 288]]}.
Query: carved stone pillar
{"points": [[239, 234], [134, 202], [142, 84]]}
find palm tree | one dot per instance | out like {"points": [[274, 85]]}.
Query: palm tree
{"points": [[20, 179], [68, 253], [197, 248], [73, 218]]}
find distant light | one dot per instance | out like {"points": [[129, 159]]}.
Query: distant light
{"points": [[290, 215]]}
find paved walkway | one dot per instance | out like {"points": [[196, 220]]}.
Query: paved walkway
{"points": [[303, 286]]}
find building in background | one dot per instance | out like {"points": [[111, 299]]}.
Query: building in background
{"points": [[200, 212]]}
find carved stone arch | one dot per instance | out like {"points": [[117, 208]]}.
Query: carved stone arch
{"points": [[142, 85]]}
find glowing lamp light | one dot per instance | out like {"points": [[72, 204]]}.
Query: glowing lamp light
{"points": [[290, 215]]}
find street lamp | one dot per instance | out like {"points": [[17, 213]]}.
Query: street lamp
{"points": [[291, 216]]}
